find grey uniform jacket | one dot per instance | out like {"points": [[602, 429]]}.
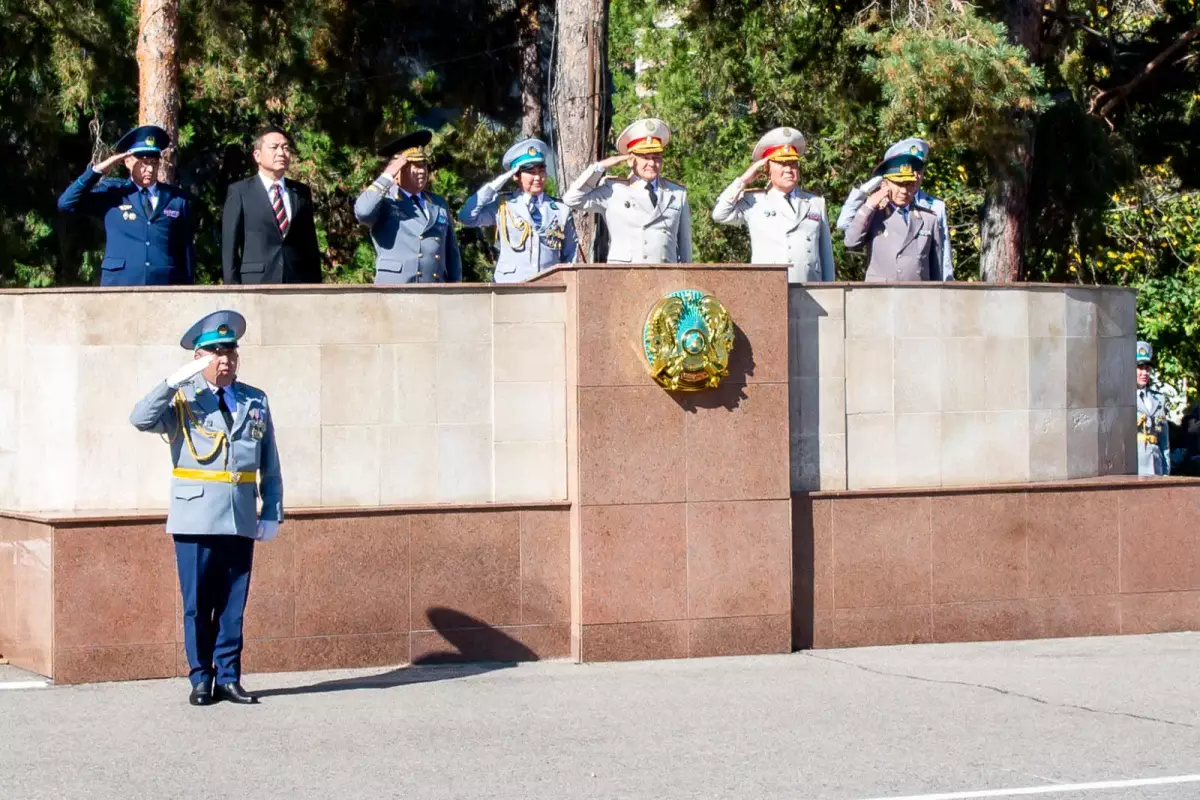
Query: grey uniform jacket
{"points": [[1153, 441], [410, 245], [779, 233], [638, 232], [858, 198], [898, 250], [525, 247], [200, 507]]}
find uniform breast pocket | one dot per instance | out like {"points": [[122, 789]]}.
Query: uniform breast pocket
{"points": [[188, 491], [112, 264]]}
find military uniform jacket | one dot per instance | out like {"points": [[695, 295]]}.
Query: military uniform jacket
{"points": [[201, 507], [858, 198], [1153, 444], [410, 245], [779, 233], [525, 247], [639, 233], [898, 250], [138, 251]]}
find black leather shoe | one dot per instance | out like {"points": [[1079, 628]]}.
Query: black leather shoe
{"points": [[202, 693], [234, 693]]}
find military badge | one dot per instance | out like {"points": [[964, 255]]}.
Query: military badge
{"points": [[150, 141], [171, 212], [687, 338], [258, 428]]}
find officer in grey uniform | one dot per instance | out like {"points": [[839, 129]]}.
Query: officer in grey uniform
{"points": [[900, 236], [534, 230], [411, 228], [858, 197], [1153, 440], [222, 440], [648, 218], [787, 224]]}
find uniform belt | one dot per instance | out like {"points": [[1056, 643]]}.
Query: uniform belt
{"points": [[214, 476]]}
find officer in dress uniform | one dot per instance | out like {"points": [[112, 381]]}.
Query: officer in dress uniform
{"points": [[787, 224], [534, 230], [148, 225], [1153, 441], [411, 228], [858, 197], [648, 218], [222, 440], [901, 237]]}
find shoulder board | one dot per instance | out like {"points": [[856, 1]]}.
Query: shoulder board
{"points": [[251, 391], [807, 195], [754, 191], [673, 184], [614, 179]]}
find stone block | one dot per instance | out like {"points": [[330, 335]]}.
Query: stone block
{"points": [[871, 451], [963, 311], [529, 352], [530, 471], [1048, 444], [917, 312], [1083, 442], [918, 449], [962, 388], [1047, 373], [410, 318], [350, 464], [1006, 374], [465, 317], [1007, 455], [964, 448], [464, 383], [1047, 313], [1006, 313], [529, 306], [869, 374], [465, 461], [415, 380], [409, 469], [356, 384], [1081, 316], [918, 375], [869, 313]]}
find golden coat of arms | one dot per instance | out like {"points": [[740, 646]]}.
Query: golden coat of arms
{"points": [[688, 337]]}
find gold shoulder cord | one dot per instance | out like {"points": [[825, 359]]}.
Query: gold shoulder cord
{"points": [[502, 217], [186, 421]]}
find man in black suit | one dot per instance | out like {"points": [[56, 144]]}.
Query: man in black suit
{"points": [[267, 229]]}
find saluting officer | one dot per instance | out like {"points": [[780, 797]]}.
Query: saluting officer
{"points": [[411, 228], [787, 224], [900, 236], [859, 195], [222, 439], [148, 225], [1153, 439], [534, 230], [648, 218]]}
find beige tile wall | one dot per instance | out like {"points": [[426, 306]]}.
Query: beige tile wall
{"points": [[910, 386], [379, 398]]}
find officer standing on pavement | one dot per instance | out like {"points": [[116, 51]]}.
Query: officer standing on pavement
{"points": [[787, 224], [411, 228], [222, 439], [648, 218], [533, 229], [858, 197], [148, 225], [1153, 440]]}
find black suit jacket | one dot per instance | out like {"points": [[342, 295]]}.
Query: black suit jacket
{"points": [[252, 249]]}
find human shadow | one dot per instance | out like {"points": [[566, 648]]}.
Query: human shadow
{"points": [[732, 391], [478, 648]]}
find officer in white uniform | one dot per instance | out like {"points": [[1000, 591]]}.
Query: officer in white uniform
{"points": [[858, 197], [648, 218], [534, 231], [1153, 440], [787, 224]]}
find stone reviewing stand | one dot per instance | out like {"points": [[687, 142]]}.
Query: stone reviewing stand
{"points": [[487, 472]]}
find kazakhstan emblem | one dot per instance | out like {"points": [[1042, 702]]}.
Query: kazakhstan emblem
{"points": [[688, 337]]}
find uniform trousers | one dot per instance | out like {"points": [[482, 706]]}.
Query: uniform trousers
{"points": [[214, 579]]}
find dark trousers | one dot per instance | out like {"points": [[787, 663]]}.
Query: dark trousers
{"points": [[214, 578]]}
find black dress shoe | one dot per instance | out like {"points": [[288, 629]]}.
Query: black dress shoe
{"points": [[202, 693], [234, 693]]}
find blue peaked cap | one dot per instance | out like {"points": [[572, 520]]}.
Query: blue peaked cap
{"points": [[220, 328]]}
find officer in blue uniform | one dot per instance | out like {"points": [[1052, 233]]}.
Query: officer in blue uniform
{"points": [[412, 229], [148, 224], [222, 439], [534, 231], [1153, 433]]}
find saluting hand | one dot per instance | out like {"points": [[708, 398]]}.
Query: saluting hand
{"points": [[755, 168], [879, 199], [613, 161], [188, 371], [395, 165], [108, 163]]}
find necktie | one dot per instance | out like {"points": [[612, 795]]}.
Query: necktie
{"points": [[280, 212], [147, 208], [791, 205], [420, 206], [225, 412], [534, 213], [653, 194]]}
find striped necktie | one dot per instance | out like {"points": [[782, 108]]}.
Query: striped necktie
{"points": [[280, 212]]}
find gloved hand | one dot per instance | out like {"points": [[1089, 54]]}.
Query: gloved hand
{"points": [[267, 530], [498, 183], [871, 185], [188, 371]]}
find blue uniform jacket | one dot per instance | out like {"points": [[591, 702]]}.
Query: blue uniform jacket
{"points": [[138, 251]]}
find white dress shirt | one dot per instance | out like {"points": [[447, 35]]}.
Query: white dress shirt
{"points": [[269, 184], [230, 397]]}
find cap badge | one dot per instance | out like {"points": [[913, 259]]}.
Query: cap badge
{"points": [[533, 151], [150, 141]]}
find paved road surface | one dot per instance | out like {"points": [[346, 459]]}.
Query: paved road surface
{"points": [[843, 725]]}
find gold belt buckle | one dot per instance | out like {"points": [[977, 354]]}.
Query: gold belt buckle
{"points": [[235, 477]]}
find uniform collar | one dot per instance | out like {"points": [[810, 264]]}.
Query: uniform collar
{"points": [[656, 183], [212, 387], [267, 182], [152, 189]]}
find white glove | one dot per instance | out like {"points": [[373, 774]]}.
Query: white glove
{"points": [[871, 185], [188, 371], [498, 183], [267, 530]]}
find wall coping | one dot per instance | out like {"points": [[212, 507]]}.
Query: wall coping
{"points": [[1078, 484], [67, 518], [294, 288]]}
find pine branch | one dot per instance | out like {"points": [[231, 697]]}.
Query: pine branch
{"points": [[1109, 99]]}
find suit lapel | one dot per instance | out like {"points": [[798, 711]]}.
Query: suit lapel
{"points": [[780, 204], [915, 222], [243, 408], [164, 197], [293, 202], [642, 198], [431, 211], [263, 198], [206, 400]]}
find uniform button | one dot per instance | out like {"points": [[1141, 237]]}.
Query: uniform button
{"points": [[147, 263], [436, 275], [147, 244], [435, 258]]}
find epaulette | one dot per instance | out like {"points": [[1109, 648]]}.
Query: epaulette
{"points": [[673, 184], [754, 191], [614, 179]]}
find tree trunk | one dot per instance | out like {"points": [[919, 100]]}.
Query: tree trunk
{"points": [[579, 101], [158, 73], [1006, 210], [531, 69]]}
